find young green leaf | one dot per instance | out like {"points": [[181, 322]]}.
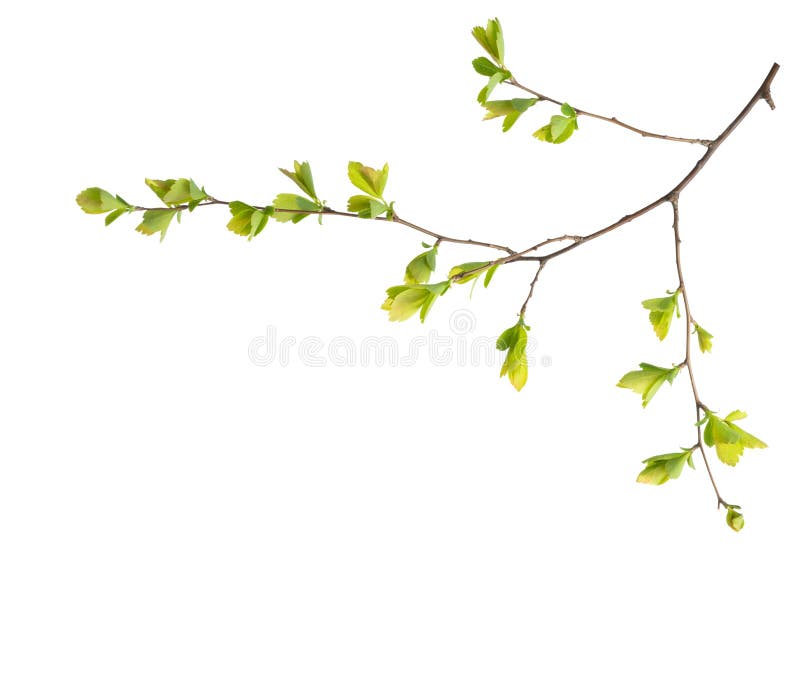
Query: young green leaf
{"points": [[729, 440], [367, 179], [247, 220], [704, 338], [156, 220], [420, 268], [515, 340], [733, 518], [659, 469], [491, 39], [662, 309], [510, 110], [648, 380], [174, 192], [115, 214], [494, 80], [484, 66], [284, 204], [404, 301], [302, 178], [560, 127], [95, 200], [489, 275], [470, 270], [366, 207]]}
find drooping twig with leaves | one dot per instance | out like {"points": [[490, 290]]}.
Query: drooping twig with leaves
{"points": [[417, 294]]}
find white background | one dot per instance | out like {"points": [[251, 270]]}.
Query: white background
{"points": [[168, 506]]}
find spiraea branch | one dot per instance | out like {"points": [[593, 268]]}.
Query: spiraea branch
{"points": [[417, 294]]}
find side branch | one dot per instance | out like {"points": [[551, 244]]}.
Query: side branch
{"points": [[687, 360], [612, 120]]}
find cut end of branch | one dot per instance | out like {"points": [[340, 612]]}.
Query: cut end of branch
{"points": [[766, 93]]}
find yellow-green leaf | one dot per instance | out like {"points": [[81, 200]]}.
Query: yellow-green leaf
{"points": [[514, 340], [247, 220], [156, 220], [704, 338], [95, 200], [366, 207], [302, 178], [491, 39], [470, 270], [419, 270], [734, 519], [510, 110], [729, 439], [174, 192], [647, 380], [368, 179], [284, 204], [404, 301], [659, 469], [662, 309]]}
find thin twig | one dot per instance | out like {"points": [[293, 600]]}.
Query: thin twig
{"points": [[612, 120], [211, 201], [530, 292], [687, 361]]}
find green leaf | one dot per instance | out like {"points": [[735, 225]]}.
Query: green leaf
{"points": [[404, 301], [484, 66], [114, 215], [544, 134], [560, 127], [491, 39], [247, 220], [467, 268], [510, 110], [494, 80], [729, 439], [489, 275], [160, 187], [366, 207], [292, 202], [95, 200], [302, 178], [174, 192], [662, 309], [258, 220], [568, 111], [420, 268], [659, 469], [736, 415], [156, 220], [704, 338], [648, 380], [734, 519], [368, 179], [515, 340]]}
